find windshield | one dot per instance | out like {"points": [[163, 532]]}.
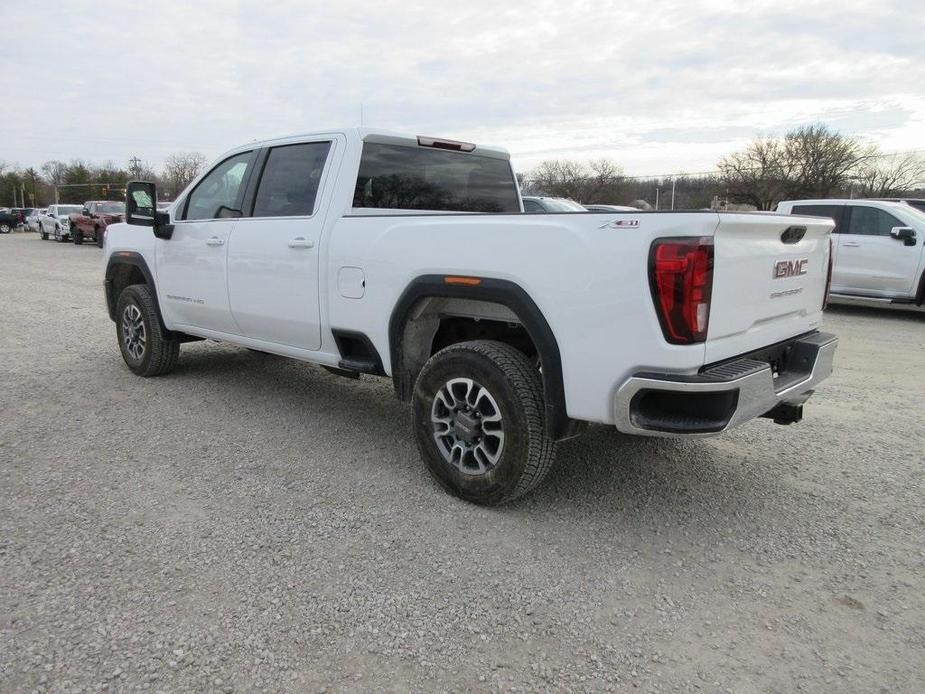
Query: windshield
{"points": [[29, 211], [67, 209], [919, 205], [111, 207], [562, 205]]}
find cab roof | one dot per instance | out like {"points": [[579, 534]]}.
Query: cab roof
{"points": [[380, 135]]}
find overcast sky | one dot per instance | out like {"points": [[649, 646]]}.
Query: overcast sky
{"points": [[661, 87]]}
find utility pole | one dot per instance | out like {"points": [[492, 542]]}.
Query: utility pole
{"points": [[672, 193], [656, 198], [134, 167]]}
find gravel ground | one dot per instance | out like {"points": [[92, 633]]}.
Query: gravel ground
{"points": [[250, 523]]}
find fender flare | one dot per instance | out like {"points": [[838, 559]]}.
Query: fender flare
{"points": [[136, 260], [503, 292]]}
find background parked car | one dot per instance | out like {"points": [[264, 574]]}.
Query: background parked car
{"points": [[8, 222], [544, 204], [56, 223], [877, 246], [92, 220], [19, 214], [610, 208], [32, 220]]}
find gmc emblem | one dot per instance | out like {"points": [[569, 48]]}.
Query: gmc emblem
{"points": [[790, 268]]}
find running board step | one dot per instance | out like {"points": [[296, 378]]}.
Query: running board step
{"points": [[363, 366], [340, 372]]}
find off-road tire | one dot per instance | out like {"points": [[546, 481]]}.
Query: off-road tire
{"points": [[514, 382], [159, 355]]}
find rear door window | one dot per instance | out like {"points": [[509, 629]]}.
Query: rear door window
{"points": [[402, 177], [833, 212], [290, 180]]}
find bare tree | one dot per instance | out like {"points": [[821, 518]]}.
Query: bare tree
{"points": [[560, 178], [883, 177], [758, 175], [602, 184], [597, 181], [181, 168], [54, 171], [808, 162], [820, 161]]}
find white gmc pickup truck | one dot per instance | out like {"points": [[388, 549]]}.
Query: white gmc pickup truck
{"points": [[411, 258]]}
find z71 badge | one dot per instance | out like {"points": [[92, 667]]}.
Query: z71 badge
{"points": [[620, 224], [790, 268]]}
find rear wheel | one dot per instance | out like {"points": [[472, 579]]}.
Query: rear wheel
{"points": [[145, 351], [479, 421]]}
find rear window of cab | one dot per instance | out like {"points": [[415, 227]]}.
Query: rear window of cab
{"points": [[399, 177]]}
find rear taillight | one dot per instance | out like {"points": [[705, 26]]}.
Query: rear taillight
{"points": [[828, 276], [681, 277]]}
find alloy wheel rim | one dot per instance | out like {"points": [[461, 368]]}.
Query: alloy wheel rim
{"points": [[134, 336], [468, 427]]}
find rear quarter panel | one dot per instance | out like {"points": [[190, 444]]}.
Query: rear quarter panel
{"points": [[588, 277]]}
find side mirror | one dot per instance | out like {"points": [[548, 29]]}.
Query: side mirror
{"points": [[904, 234], [85, 212], [141, 209]]}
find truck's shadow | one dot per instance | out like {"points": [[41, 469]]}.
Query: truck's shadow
{"points": [[601, 467]]}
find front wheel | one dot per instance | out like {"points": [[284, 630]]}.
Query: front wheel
{"points": [[145, 350], [479, 421], [77, 236], [5, 228]]}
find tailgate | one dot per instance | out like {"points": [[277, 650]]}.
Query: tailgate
{"points": [[768, 281]]}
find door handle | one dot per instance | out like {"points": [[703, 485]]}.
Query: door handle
{"points": [[215, 241], [852, 244], [301, 242]]}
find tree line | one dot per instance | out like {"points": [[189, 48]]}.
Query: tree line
{"points": [[79, 180], [812, 161]]}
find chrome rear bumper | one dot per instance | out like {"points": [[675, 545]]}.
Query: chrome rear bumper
{"points": [[723, 396]]}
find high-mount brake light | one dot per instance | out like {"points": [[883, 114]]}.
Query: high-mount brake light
{"points": [[681, 278], [451, 145], [464, 281]]}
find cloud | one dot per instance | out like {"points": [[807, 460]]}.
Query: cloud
{"points": [[660, 87]]}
